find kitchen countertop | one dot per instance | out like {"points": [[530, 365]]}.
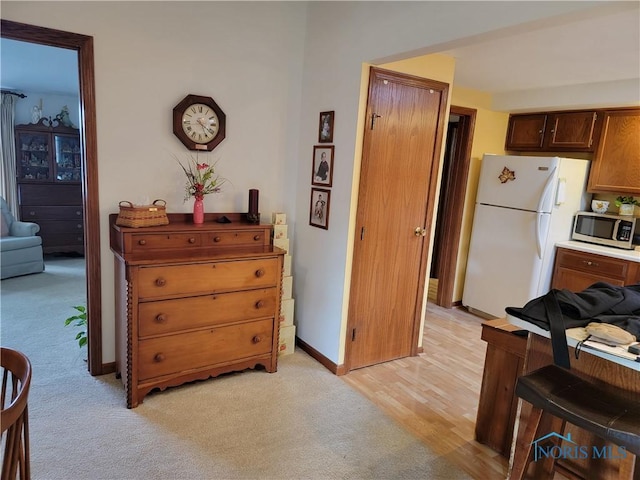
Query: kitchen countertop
{"points": [[631, 255]]}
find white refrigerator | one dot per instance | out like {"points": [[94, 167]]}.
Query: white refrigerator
{"points": [[524, 205]]}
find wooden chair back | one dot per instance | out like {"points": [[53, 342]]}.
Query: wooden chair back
{"points": [[16, 379]]}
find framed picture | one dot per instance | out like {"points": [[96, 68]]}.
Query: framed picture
{"points": [[325, 131], [319, 208], [322, 173]]}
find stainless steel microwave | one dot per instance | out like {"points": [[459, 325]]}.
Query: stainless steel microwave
{"points": [[606, 229]]}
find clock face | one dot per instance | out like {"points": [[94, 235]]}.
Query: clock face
{"points": [[200, 123]]}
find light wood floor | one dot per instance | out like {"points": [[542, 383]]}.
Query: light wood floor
{"points": [[435, 395]]}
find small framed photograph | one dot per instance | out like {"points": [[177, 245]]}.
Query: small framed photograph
{"points": [[322, 173], [319, 208], [325, 134]]}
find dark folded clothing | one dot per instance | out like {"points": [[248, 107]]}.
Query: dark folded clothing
{"points": [[601, 302]]}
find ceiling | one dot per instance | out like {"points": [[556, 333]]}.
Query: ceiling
{"points": [[602, 45]]}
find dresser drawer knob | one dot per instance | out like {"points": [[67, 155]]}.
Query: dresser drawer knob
{"points": [[256, 339], [78, 212], [32, 213], [590, 263], [160, 282], [142, 242], [161, 318], [192, 240], [259, 304], [216, 239], [259, 273], [159, 357], [256, 237], [79, 226]]}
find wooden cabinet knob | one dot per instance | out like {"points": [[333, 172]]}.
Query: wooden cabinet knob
{"points": [[161, 282], [32, 213], [159, 357], [256, 237], [216, 239], [161, 318], [259, 273], [259, 304], [79, 226], [192, 240], [142, 242], [256, 339], [78, 212]]}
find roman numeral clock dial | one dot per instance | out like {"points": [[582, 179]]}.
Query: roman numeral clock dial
{"points": [[199, 122]]}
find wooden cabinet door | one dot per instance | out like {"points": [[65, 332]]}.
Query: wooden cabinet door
{"points": [[526, 132], [571, 131], [616, 163], [576, 281]]}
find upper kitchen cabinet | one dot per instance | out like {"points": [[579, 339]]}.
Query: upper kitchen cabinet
{"points": [[616, 163], [552, 131]]}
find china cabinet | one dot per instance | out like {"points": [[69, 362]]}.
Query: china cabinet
{"points": [[194, 301], [49, 172]]}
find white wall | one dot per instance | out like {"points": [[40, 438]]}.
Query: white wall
{"points": [[150, 55], [272, 67]]}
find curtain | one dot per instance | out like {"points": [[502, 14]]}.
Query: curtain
{"points": [[8, 153]]}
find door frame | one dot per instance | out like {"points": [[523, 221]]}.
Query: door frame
{"points": [[452, 213], [82, 44]]}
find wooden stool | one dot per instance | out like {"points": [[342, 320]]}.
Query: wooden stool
{"points": [[602, 410]]}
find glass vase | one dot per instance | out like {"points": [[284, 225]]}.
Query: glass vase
{"points": [[198, 210]]}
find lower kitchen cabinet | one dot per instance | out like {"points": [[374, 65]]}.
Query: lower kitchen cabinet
{"points": [[194, 301], [575, 270]]}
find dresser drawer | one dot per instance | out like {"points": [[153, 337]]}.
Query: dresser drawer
{"points": [[52, 227], [168, 316], [36, 213], [203, 278], [244, 237], [204, 348], [142, 242], [601, 265]]}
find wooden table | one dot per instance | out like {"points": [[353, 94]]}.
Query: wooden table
{"points": [[599, 369]]}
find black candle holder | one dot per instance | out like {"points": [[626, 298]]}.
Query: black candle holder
{"points": [[253, 217]]}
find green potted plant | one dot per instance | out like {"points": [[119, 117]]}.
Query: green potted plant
{"points": [[79, 320], [626, 205]]}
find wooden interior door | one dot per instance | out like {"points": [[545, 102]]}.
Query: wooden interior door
{"points": [[406, 119]]}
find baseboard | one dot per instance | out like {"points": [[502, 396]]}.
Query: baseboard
{"points": [[313, 353], [108, 368]]}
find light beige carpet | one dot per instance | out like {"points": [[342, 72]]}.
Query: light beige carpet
{"points": [[302, 422]]}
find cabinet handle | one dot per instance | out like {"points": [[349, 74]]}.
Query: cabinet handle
{"points": [[142, 242], [78, 212], [79, 226], [256, 339], [192, 240], [216, 239], [161, 282], [159, 357], [590, 263], [259, 304], [161, 318], [257, 237], [32, 213], [259, 273]]}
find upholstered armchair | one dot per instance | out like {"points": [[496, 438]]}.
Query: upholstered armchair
{"points": [[20, 247]]}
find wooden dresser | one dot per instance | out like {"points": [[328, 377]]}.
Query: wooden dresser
{"points": [[194, 301]]}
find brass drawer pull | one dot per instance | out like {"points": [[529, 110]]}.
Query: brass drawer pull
{"points": [[161, 318], [590, 263], [257, 237], [259, 273], [256, 339], [32, 213], [159, 357], [142, 242], [217, 239], [192, 240], [259, 304], [160, 282]]}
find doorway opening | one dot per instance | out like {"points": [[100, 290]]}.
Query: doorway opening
{"points": [[83, 45], [453, 185]]}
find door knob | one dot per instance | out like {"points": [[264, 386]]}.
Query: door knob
{"points": [[420, 232]]}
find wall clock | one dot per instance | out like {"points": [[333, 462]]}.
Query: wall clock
{"points": [[199, 122]]}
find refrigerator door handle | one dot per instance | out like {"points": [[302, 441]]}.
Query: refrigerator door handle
{"points": [[538, 239], [545, 191]]}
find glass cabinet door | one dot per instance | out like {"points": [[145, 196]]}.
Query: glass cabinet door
{"points": [[67, 158], [33, 152]]}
